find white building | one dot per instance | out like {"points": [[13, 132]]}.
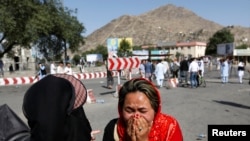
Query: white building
{"points": [[191, 49], [194, 49]]}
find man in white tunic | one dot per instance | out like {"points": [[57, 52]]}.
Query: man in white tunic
{"points": [[52, 68], [68, 69], [60, 68], [160, 70]]}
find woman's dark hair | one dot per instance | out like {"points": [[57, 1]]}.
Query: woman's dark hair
{"points": [[141, 85]]}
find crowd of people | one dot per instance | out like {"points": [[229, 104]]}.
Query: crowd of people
{"points": [[162, 69], [187, 70], [60, 68], [226, 68]]}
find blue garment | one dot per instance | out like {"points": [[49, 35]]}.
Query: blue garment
{"points": [[148, 67], [42, 72], [193, 80], [224, 72]]}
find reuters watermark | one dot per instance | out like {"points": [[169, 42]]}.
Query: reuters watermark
{"points": [[223, 132]]}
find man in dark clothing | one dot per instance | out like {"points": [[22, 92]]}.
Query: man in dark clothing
{"points": [[184, 64], [148, 70], [1, 68], [110, 79]]}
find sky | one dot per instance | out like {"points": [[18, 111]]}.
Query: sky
{"points": [[95, 14]]}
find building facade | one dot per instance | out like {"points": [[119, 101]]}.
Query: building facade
{"points": [[191, 49]]}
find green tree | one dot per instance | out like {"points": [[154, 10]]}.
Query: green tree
{"points": [[26, 23], [137, 48], [243, 46], [222, 36], [101, 49], [64, 32], [125, 49], [76, 59], [15, 16], [178, 54]]}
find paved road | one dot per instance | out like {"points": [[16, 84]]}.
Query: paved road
{"points": [[194, 108]]}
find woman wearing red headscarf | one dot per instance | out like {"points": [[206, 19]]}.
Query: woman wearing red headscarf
{"points": [[140, 116]]}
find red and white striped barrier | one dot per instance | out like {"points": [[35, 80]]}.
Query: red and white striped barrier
{"points": [[123, 63], [30, 80], [17, 81], [90, 75]]}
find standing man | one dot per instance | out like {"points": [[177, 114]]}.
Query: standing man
{"points": [[11, 69], [60, 68], [184, 65], [142, 69], [148, 70], [160, 71], [193, 70], [1, 67], [176, 67], [241, 69], [68, 69], [52, 68], [165, 63], [42, 71], [110, 79], [224, 70], [201, 66], [201, 69], [82, 63]]}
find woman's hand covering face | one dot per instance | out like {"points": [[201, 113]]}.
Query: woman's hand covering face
{"points": [[138, 114]]}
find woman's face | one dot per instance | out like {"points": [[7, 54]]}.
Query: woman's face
{"points": [[137, 103]]}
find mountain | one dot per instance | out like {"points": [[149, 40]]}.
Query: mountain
{"points": [[164, 24]]}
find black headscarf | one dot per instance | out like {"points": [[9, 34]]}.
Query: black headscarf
{"points": [[54, 109]]}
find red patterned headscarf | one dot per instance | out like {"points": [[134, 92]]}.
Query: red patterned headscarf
{"points": [[164, 128]]}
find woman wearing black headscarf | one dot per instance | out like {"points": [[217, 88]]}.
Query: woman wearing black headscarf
{"points": [[53, 108]]}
